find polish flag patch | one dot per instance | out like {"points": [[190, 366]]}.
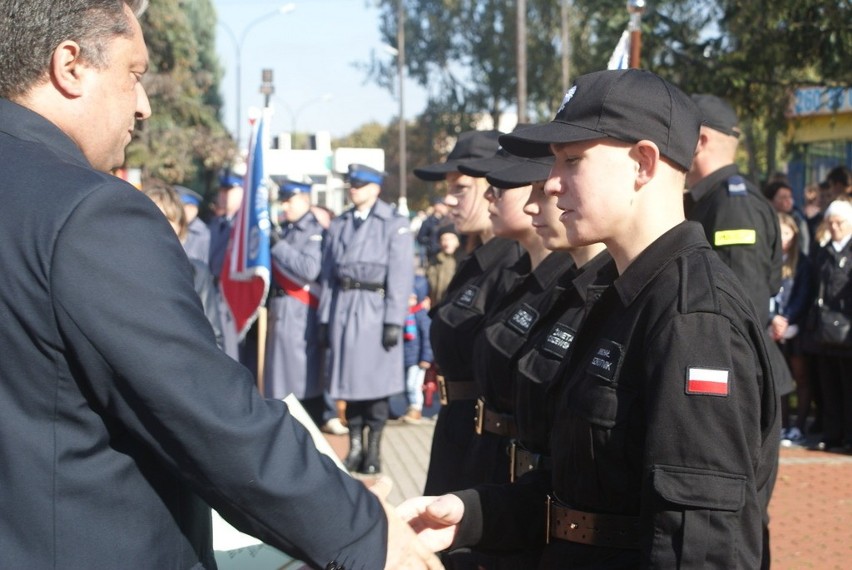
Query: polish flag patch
{"points": [[707, 381]]}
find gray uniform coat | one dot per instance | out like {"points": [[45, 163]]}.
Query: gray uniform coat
{"points": [[292, 355], [379, 252]]}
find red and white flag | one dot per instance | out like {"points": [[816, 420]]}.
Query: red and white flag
{"points": [[707, 381]]}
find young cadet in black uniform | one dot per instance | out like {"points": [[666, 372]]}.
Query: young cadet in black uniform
{"points": [[665, 421], [456, 321]]}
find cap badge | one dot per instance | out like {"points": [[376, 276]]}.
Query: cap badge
{"points": [[567, 98]]}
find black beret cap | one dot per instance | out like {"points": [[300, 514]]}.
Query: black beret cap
{"points": [[717, 114], [627, 105], [470, 145]]}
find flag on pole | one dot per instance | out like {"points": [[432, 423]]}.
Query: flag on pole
{"points": [[620, 58], [244, 280]]}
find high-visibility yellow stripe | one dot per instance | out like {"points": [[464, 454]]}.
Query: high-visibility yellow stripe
{"points": [[734, 237]]}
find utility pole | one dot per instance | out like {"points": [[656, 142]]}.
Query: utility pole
{"points": [[566, 48], [635, 8], [400, 67], [522, 61]]}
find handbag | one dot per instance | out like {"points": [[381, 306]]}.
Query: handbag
{"points": [[829, 326]]}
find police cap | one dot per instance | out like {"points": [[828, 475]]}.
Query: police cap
{"points": [[290, 188], [470, 145], [522, 173], [627, 105], [229, 180], [361, 175], [188, 196], [717, 114]]}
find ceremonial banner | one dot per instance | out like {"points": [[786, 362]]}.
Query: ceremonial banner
{"points": [[620, 58], [244, 280]]}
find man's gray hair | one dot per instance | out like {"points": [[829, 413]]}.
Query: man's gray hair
{"points": [[32, 30]]}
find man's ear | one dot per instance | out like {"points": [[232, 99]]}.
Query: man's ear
{"points": [[647, 157], [67, 68]]}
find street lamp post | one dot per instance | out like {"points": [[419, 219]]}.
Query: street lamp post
{"points": [[399, 54], [238, 49], [294, 114]]}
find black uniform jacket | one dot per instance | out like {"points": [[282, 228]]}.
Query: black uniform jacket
{"points": [[117, 410], [666, 411], [455, 324]]}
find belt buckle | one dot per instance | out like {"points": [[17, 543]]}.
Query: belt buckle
{"points": [[512, 467], [480, 415], [345, 283], [547, 502], [442, 390]]}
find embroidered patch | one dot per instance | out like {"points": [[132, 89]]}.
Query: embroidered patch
{"points": [[568, 96], [737, 186], [522, 320], [467, 297], [707, 381], [558, 342], [606, 360], [734, 237]]}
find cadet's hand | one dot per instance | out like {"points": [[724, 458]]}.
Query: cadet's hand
{"points": [[405, 552], [390, 336], [434, 519], [323, 338]]}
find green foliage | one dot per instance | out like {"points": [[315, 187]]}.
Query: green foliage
{"points": [[184, 141]]}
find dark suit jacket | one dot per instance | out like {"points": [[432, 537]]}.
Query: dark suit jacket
{"points": [[119, 416]]}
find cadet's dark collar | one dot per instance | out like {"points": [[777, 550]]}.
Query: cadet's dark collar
{"points": [[598, 271], [551, 268], [682, 237], [492, 251], [27, 125], [709, 182]]}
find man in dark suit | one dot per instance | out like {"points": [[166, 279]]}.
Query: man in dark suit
{"points": [[120, 419]]}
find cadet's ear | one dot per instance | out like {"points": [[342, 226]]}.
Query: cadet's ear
{"points": [[66, 68], [647, 157]]}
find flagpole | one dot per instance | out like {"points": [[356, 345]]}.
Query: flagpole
{"points": [[635, 8]]}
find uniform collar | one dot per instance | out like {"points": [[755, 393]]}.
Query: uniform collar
{"points": [[706, 185], [491, 252], [27, 125], [306, 222], [598, 271], [681, 238]]}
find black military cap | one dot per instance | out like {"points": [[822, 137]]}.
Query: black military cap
{"points": [[627, 105], [522, 173], [717, 114], [479, 167], [361, 175], [470, 145]]}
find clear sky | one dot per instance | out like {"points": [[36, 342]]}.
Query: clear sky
{"points": [[311, 51]]}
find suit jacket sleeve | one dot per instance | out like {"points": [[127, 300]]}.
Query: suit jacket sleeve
{"points": [[125, 305], [400, 276]]}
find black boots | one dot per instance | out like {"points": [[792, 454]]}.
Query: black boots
{"points": [[368, 462], [356, 449], [372, 460]]}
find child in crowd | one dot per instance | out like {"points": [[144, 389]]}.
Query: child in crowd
{"points": [[441, 270], [416, 348]]}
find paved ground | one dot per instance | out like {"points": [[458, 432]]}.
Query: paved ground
{"points": [[811, 509]]}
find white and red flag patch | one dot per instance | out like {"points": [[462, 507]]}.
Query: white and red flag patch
{"points": [[707, 381]]}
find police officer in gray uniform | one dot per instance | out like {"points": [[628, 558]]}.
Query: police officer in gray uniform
{"points": [[197, 241], [292, 354], [367, 276]]}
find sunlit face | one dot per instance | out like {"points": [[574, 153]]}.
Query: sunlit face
{"points": [[506, 211], [115, 99], [467, 203], [296, 207], [544, 214], [229, 199], [365, 195], [839, 228], [593, 182], [783, 200], [449, 242]]}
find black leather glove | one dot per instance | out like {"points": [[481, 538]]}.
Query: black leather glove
{"points": [[390, 336], [323, 338]]}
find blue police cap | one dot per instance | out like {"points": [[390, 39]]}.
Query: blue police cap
{"points": [[188, 196], [230, 180], [360, 174], [289, 188]]}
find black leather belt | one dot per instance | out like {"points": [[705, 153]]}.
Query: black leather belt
{"points": [[595, 529], [453, 391], [523, 461], [494, 422], [277, 292], [347, 283]]}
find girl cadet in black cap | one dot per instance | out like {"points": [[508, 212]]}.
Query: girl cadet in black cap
{"points": [[456, 320]]}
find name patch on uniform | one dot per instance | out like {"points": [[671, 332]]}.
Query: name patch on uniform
{"points": [[558, 342], [734, 237], [522, 320], [707, 382], [606, 360], [467, 297]]}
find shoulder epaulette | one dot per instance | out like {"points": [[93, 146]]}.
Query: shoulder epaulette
{"points": [[737, 186]]}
